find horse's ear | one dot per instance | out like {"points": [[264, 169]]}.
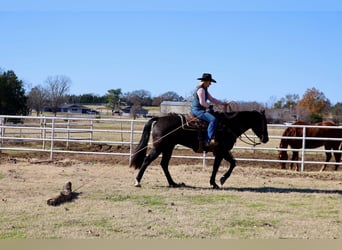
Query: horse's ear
{"points": [[262, 111]]}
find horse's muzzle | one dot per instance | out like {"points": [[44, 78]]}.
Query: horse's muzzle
{"points": [[264, 139]]}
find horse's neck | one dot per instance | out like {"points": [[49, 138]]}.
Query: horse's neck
{"points": [[283, 143], [239, 122]]}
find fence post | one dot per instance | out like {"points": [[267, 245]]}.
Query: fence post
{"points": [[131, 140], [2, 132], [68, 133], [203, 159], [52, 137], [303, 150], [91, 131], [43, 124]]}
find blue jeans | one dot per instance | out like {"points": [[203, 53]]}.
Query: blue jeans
{"points": [[206, 116]]}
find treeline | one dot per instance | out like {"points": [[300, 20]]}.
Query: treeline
{"points": [[145, 96], [313, 106], [55, 91]]}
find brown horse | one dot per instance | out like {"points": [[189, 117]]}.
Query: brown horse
{"points": [[310, 143]]}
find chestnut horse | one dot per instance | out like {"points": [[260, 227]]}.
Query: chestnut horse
{"points": [[168, 131], [310, 143]]}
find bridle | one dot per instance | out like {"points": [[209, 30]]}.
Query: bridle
{"points": [[250, 141]]}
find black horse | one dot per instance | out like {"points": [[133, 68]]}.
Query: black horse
{"points": [[168, 131]]}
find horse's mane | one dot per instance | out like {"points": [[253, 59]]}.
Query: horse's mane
{"points": [[172, 114], [226, 115], [233, 114], [291, 131], [326, 123]]}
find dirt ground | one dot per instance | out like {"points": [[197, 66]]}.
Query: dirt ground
{"points": [[124, 160], [259, 201]]}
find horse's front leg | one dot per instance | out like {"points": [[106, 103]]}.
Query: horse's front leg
{"points": [[228, 157], [165, 166], [295, 157], [327, 159], [217, 162]]}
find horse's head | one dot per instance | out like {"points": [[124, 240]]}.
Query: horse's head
{"points": [[260, 126]]}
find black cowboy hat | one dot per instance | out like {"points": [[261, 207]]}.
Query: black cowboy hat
{"points": [[206, 77]]}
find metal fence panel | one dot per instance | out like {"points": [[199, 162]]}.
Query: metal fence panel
{"points": [[47, 134]]}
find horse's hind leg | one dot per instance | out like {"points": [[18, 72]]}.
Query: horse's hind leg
{"points": [[337, 156], [147, 161], [228, 157]]}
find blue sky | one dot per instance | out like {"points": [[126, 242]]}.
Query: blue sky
{"points": [[256, 50]]}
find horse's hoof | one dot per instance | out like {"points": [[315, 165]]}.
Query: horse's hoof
{"points": [[215, 186], [177, 185], [222, 180], [137, 184]]}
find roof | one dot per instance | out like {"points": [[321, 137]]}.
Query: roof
{"points": [[66, 105], [172, 103]]}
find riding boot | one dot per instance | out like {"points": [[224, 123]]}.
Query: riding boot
{"points": [[210, 145]]}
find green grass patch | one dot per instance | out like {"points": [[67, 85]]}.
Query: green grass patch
{"points": [[213, 199], [143, 200], [257, 205], [173, 233], [249, 227], [12, 235], [297, 204]]}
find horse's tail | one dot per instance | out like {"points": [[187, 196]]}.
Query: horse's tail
{"points": [[140, 151]]}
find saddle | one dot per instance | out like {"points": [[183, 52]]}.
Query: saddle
{"points": [[192, 122]]}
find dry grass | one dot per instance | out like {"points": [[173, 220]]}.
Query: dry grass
{"points": [[255, 203]]}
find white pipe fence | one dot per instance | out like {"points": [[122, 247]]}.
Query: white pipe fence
{"points": [[57, 134]]}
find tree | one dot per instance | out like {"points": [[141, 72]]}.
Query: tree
{"points": [[290, 101], [137, 99], [337, 112], [279, 104], [113, 99], [37, 99], [167, 96], [170, 96], [315, 102], [57, 88], [12, 95], [143, 97]]}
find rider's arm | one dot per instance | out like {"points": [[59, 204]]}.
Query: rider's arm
{"points": [[214, 100]]}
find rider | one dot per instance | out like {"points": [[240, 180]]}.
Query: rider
{"points": [[202, 110]]}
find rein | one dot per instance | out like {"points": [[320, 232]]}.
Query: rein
{"points": [[250, 141]]}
